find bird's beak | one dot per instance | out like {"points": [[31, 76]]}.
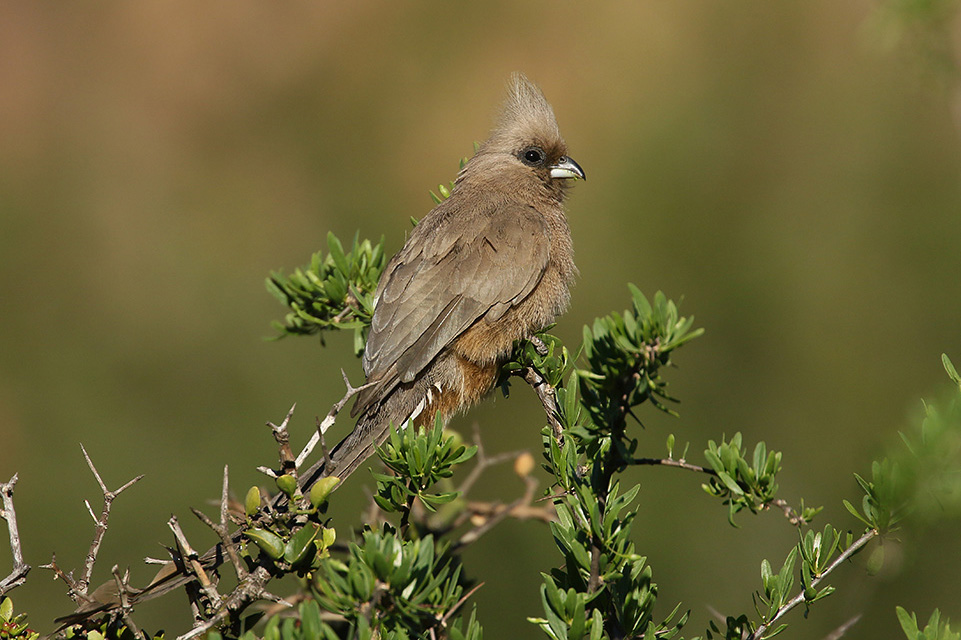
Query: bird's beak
{"points": [[567, 168]]}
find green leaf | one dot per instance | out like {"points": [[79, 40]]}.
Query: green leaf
{"points": [[730, 483], [949, 367], [597, 624], [301, 542], [640, 301], [551, 602], [337, 253], [310, 620], [909, 622], [578, 619], [876, 560], [854, 512], [320, 492], [269, 542], [252, 501], [287, 484]]}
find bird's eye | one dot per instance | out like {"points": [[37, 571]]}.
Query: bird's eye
{"points": [[532, 156]]}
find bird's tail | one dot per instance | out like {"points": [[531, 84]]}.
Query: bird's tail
{"points": [[412, 401]]}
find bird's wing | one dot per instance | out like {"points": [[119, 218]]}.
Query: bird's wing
{"points": [[447, 277]]}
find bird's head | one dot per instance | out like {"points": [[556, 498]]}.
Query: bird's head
{"points": [[525, 150]]}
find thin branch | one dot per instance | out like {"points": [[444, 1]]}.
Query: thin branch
{"points": [[475, 533], [100, 524], [267, 471], [123, 589], [799, 598], [548, 397], [840, 632], [789, 512], [18, 573], [792, 516], [594, 581], [282, 437], [517, 511], [252, 588], [408, 506], [222, 530], [192, 565], [295, 599], [671, 462], [350, 305], [484, 462], [328, 421], [458, 605], [224, 498], [66, 577], [324, 451], [539, 345]]}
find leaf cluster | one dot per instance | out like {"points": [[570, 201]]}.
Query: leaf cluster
{"points": [[931, 455], [625, 354], [547, 355], [384, 585], [110, 629], [935, 629], [335, 291], [419, 458], [309, 624], [394, 588], [776, 590], [292, 540], [742, 482], [882, 504], [604, 588], [14, 626]]}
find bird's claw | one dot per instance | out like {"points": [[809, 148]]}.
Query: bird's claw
{"points": [[539, 345]]}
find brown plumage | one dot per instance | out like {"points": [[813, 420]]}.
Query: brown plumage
{"points": [[491, 264]]}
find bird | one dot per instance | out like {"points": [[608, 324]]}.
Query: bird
{"points": [[491, 264]]}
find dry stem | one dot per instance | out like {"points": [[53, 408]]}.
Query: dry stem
{"points": [[18, 574], [328, 422], [100, 526]]}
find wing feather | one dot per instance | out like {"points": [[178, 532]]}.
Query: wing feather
{"points": [[452, 271]]}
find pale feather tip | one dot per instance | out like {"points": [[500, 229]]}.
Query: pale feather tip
{"points": [[526, 105]]}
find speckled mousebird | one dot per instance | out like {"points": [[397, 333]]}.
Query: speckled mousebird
{"points": [[491, 264]]}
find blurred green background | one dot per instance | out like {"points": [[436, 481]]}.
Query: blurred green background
{"points": [[790, 169]]}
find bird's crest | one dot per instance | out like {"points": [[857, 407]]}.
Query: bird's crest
{"points": [[526, 111]]}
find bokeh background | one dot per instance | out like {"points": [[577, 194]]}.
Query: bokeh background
{"points": [[790, 169]]}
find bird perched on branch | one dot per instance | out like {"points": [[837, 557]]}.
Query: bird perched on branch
{"points": [[491, 264]]}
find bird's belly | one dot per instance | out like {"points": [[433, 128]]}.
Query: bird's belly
{"points": [[491, 341], [469, 369]]}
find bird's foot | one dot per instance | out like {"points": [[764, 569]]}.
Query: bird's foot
{"points": [[539, 345]]}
